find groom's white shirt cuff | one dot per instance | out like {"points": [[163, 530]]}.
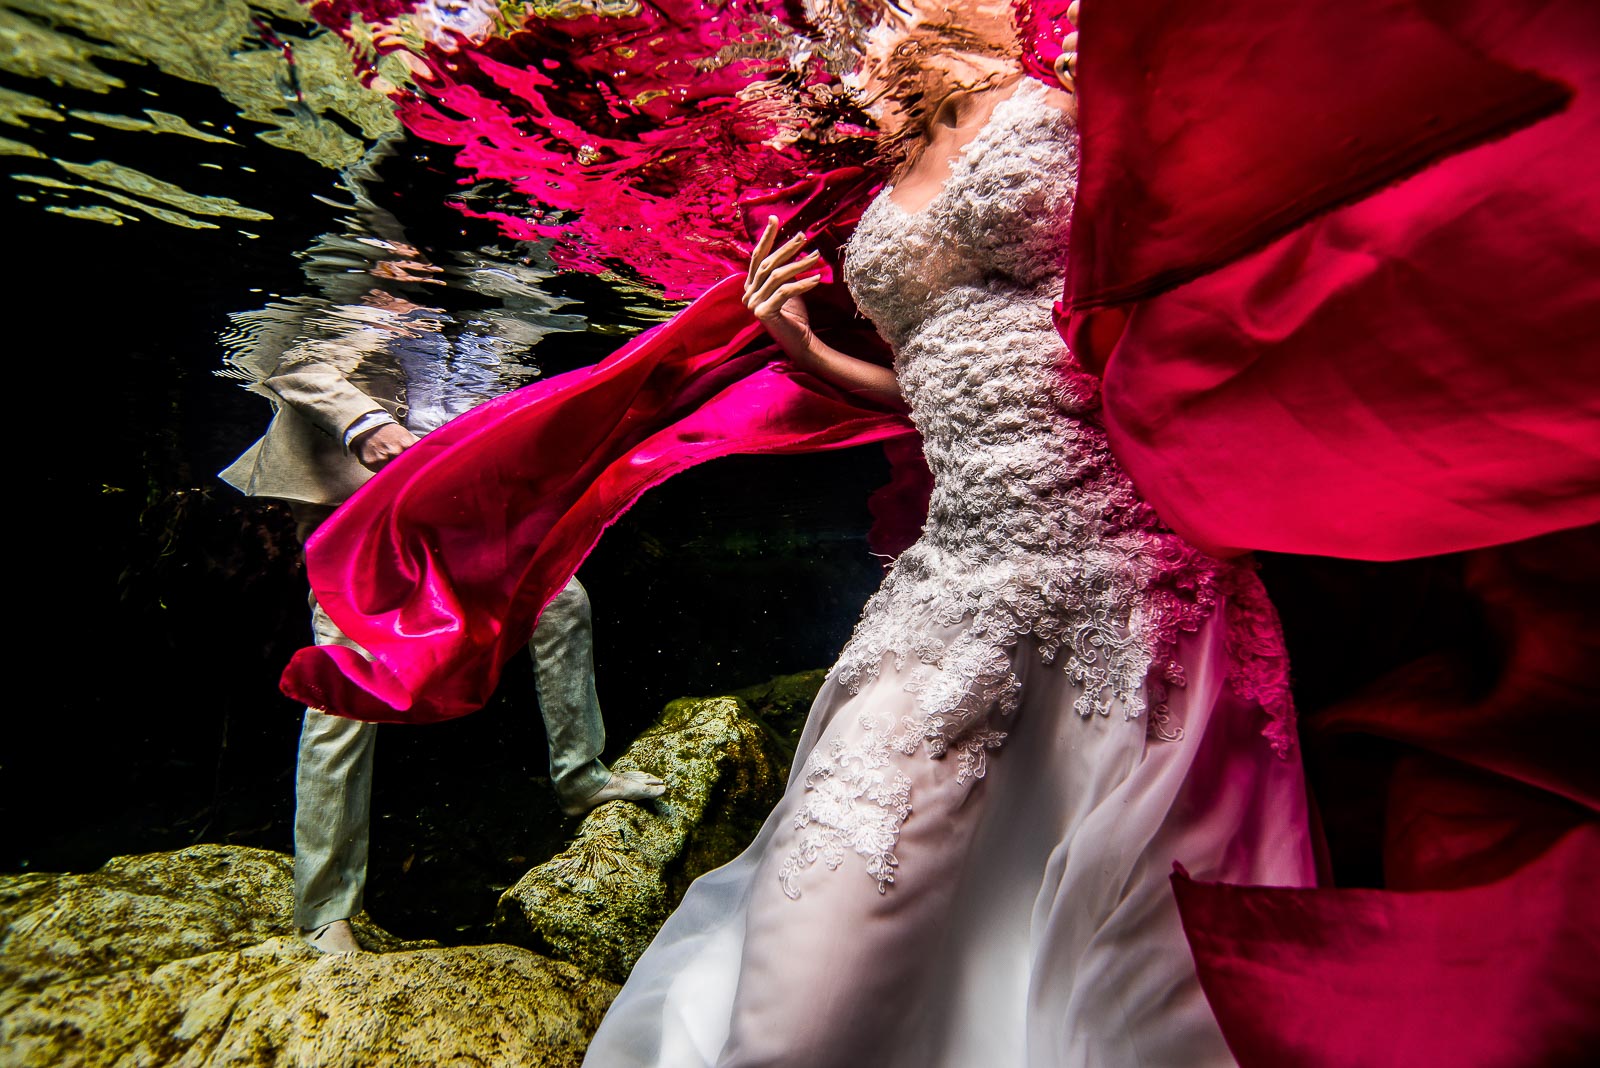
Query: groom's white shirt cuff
{"points": [[371, 421]]}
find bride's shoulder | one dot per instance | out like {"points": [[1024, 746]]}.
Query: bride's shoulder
{"points": [[1060, 99], [1050, 96]]}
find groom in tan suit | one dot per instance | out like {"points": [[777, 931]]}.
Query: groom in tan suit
{"points": [[340, 414]]}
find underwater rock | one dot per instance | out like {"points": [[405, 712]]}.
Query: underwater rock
{"points": [[782, 704], [725, 760], [184, 958], [189, 957]]}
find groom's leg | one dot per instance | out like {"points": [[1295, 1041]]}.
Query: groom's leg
{"points": [[332, 789], [333, 806], [563, 670]]}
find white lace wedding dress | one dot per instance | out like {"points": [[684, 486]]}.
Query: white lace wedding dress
{"points": [[1051, 700]]}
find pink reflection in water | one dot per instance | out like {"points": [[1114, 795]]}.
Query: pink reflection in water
{"points": [[627, 139]]}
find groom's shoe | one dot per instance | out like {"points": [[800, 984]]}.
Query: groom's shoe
{"points": [[621, 786], [334, 937]]}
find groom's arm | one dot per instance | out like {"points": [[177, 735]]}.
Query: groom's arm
{"points": [[311, 379]]}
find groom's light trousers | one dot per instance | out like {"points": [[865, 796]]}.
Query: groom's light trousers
{"points": [[333, 779]]}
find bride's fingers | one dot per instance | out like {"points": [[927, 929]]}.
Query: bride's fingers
{"points": [[1066, 64], [1063, 75], [762, 273], [779, 256], [772, 286], [771, 280], [759, 253], [766, 309]]}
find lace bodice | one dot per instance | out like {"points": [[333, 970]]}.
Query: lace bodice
{"points": [[996, 229], [1033, 529], [962, 290]]}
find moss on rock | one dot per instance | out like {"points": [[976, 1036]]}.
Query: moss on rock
{"points": [[189, 958], [725, 760], [783, 703], [186, 958]]}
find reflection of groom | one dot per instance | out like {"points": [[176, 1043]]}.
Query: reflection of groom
{"points": [[341, 414]]}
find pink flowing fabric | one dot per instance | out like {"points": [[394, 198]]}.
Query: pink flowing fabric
{"points": [[440, 566], [1343, 269]]}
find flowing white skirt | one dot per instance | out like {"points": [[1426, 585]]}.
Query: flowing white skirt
{"points": [[1031, 923]]}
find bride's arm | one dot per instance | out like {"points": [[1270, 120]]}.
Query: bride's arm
{"points": [[774, 291]]}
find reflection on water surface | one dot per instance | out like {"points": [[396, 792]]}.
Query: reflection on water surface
{"points": [[265, 57], [369, 300]]}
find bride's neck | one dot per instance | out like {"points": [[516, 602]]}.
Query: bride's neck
{"points": [[957, 120], [963, 109]]}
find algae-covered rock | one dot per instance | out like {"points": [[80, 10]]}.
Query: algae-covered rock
{"points": [[781, 704], [189, 958], [725, 760], [185, 959]]}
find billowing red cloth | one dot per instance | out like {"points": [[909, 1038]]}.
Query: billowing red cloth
{"points": [[1483, 948], [1511, 979], [1340, 265], [1310, 345], [440, 566]]}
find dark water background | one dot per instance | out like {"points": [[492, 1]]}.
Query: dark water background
{"points": [[153, 607]]}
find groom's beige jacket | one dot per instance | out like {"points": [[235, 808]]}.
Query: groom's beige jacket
{"points": [[318, 390]]}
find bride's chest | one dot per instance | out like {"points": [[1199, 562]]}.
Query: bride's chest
{"points": [[1002, 215]]}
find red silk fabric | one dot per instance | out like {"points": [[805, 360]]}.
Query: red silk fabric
{"points": [[1310, 345], [1483, 950], [1510, 978], [1340, 265], [440, 566]]}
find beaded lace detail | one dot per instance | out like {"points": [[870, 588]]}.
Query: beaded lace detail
{"points": [[1033, 529]]}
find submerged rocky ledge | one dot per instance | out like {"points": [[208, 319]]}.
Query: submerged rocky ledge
{"points": [[190, 957]]}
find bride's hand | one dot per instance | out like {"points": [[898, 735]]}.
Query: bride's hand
{"points": [[775, 293], [1066, 65]]}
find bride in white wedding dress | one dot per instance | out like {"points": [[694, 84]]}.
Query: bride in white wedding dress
{"points": [[1051, 700]]}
